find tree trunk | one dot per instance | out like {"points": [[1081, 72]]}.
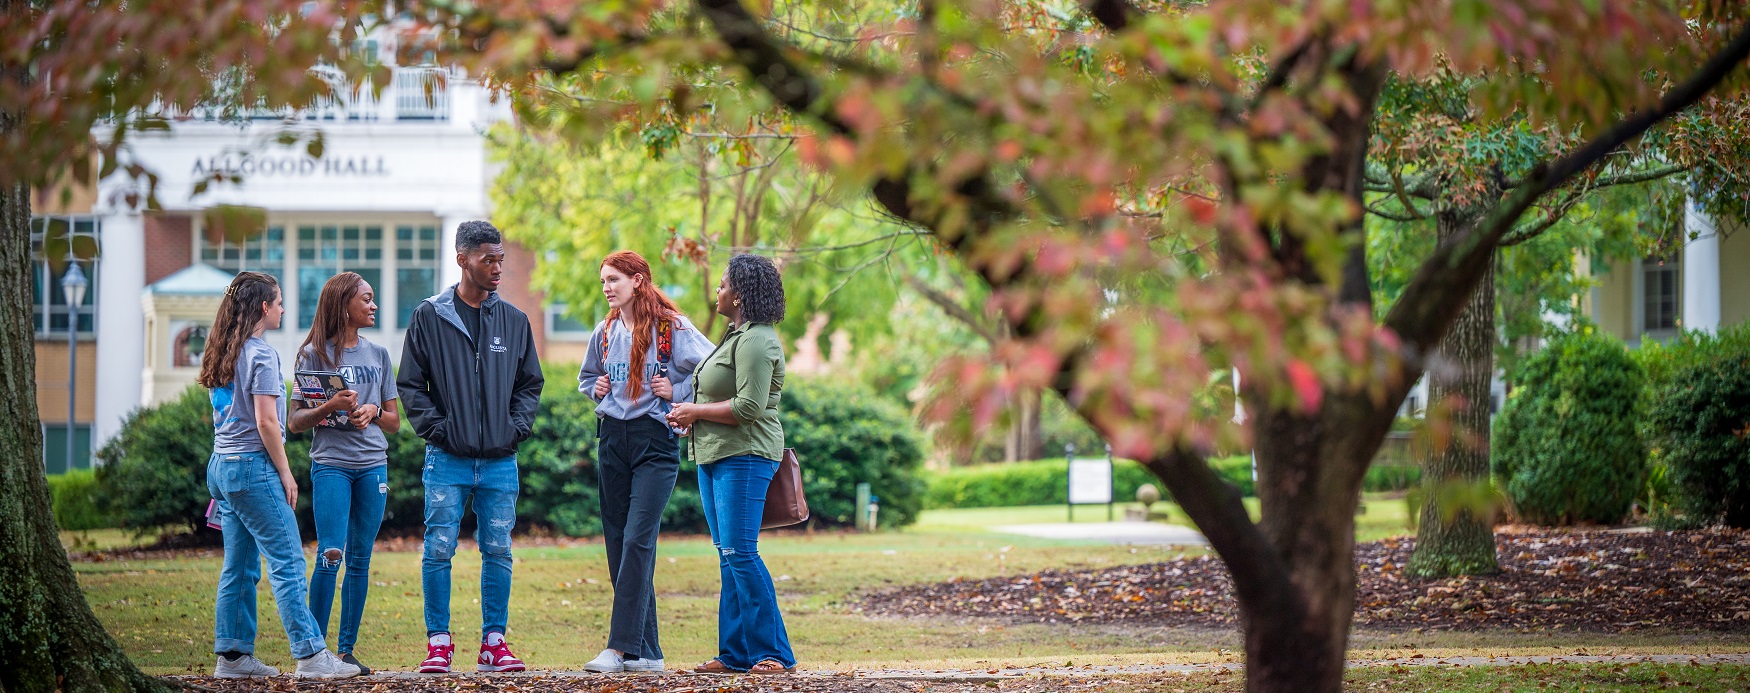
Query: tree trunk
{"points": [[1025, 440], [49, 639], [1453, 538]]}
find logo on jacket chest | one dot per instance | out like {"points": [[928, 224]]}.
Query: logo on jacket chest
{"points": [[497, 345]]}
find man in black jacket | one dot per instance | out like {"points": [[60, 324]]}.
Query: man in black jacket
{"points": [[470, 381]]}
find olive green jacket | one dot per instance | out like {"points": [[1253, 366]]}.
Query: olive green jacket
{"points": [[746, 370]]}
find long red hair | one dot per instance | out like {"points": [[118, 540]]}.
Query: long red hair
{"points": [[650, 305]]}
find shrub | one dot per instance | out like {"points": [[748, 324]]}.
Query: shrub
{"points": [[1567, 449], [77, 501], [557, 462], [843, 435], [1700, 426], [1391, 477], [1045, 482], [154, 472]]}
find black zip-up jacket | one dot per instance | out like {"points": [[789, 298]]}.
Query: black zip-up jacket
{"points": [[470, 395]]}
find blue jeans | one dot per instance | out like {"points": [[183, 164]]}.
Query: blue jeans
{"points": [[449, 481], [749, 626], [258, 523], [348, 504]]}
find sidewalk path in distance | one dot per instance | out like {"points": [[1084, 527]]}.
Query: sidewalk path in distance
{"points": [[1150, 533]]}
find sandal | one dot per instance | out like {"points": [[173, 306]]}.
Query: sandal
{"points": [[770, 666], [715, 666]]}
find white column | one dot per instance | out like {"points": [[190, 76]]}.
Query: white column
{"points": [[448, 271], [1701, 271], [121, 322]]}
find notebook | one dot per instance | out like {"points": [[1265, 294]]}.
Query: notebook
{"points": [[316, 387]]}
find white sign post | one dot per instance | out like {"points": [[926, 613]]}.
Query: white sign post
{"points": [[1090, 482]]}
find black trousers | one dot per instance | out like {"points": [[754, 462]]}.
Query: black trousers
{"points": [[636, 464]]}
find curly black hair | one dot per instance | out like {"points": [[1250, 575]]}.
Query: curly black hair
{"points": [[473, 234], [755, 279]]}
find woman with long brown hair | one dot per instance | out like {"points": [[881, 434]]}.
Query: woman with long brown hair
{"points": [[640, 361], [349, 453], [249, 477]]}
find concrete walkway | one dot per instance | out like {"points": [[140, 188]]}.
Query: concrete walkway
{"points": [[1001, 674], [1149, 533]]}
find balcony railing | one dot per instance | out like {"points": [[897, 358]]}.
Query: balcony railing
{"points": [[414, 94]]}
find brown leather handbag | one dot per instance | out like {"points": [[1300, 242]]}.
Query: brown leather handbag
{"points": [[785, 503]]}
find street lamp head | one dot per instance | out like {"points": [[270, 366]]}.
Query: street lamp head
{"points": [[73, 283]]}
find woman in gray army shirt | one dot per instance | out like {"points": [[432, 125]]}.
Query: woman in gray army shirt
{"points": [[349, 457]]}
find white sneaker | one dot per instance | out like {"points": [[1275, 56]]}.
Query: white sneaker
{"points": [[608, 662], [644, 666], [245, 667], [324, 665]]}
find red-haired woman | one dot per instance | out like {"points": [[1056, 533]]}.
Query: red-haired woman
{"points": [[639, 358]]}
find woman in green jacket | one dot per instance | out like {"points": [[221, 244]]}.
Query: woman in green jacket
{"points": [[737, 440]]}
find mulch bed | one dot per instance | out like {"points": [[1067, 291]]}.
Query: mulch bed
{"points": [[1594, 581]]}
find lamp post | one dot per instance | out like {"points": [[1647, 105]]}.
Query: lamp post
{"points": [[73, 285]]}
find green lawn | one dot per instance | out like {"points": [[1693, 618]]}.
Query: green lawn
{"points": [[161, 611]]}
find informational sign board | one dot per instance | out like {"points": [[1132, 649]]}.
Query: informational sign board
{"points": [[1090, 481]]}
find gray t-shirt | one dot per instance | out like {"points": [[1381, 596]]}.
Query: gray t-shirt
{"points": [[258, 373], [367, 370]]}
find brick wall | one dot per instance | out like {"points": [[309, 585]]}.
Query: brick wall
{"points": [[519, 263], [169, 244]]}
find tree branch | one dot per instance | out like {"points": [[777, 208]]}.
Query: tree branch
{"points": [[1438, 292], [954, 309], [1634, 177], [1378, 211]]}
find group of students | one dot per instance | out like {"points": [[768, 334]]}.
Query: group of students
{"points": [[470, 384]]}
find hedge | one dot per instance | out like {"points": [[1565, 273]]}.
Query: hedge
{"points": [[153, 473], [76, 499], [1045, 482]]}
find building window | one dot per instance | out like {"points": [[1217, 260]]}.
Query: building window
{"points": [[329, 249], [312, 253], [561, 324], [49, 310], [265, 252], [55, 439], [1662, 291], [416, 253]]}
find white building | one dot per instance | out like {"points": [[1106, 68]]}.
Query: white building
{"points": [[1705, 287], [396, 176]]}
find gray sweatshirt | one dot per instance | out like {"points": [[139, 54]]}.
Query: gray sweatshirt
{"points": [[690, 347]]}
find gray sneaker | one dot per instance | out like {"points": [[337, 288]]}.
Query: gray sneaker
{"points": [[245, 667], [645, 666], [608, 662], [324, 665]]}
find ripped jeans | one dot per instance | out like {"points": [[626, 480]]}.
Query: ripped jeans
{"points": [[449, 482], [348, 505]]}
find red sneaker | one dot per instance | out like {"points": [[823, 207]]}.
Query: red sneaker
{"points": [[437, 659], [498, 658]]}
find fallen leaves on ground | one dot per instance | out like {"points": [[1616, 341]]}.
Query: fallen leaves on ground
{"points": [[1597, 581], [668, 683]]}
